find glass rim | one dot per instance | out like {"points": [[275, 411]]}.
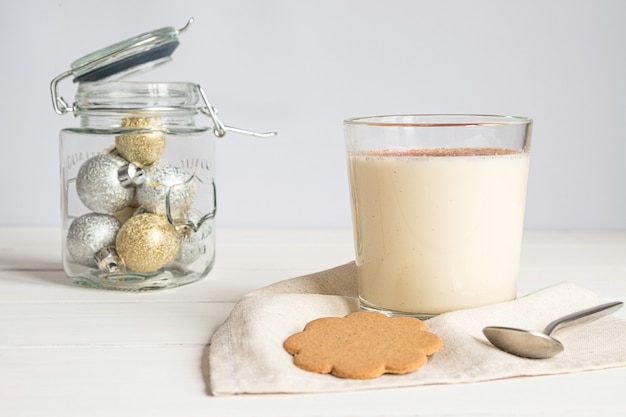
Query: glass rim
{"points": [[438, 120], [136, 95]]}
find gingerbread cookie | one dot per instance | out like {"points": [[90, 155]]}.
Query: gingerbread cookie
{"points": [[363, 345]]}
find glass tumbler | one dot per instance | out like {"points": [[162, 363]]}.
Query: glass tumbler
{"points": [[438, 209]]}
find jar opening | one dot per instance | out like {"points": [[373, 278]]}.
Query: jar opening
{"points": [[136, 96]]}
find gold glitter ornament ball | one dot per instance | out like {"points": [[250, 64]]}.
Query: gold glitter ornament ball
{"points": [[142, 148], [147, 242]]}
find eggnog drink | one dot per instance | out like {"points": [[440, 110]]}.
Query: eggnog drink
{"points": [[437, 229]]}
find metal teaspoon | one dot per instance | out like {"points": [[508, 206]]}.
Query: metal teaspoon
{"points": [[541, 345]]}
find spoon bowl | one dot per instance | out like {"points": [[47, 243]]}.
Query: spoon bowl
{"points": [[523, 343], [541, 345]]}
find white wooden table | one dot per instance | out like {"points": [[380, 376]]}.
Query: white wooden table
{"points": [[69, 351]]}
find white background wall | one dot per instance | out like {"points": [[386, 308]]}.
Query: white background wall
{"points": [[301, 67]]}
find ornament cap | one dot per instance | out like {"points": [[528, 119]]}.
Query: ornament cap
{"points": [[108, 260], [130, 175]]}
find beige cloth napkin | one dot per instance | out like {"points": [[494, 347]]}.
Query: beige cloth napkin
{"points": [[246, 353]]}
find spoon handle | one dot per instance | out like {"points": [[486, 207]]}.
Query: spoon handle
{"points": [[583, 316]]}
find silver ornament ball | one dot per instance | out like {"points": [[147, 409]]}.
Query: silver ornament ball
{"points": [[98, 184], [161, 178], [90, 233]]}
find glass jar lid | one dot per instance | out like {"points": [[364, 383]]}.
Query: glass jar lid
{"points": [[138, 53], [95, 70]]}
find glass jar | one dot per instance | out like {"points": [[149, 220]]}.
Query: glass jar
{"points": [[138, 192]]}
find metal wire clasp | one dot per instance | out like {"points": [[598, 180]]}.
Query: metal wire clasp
{"points": [[219, 129], [59, 104]]}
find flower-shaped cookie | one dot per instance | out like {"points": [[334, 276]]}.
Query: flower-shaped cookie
{"points": [[363, 345]]}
